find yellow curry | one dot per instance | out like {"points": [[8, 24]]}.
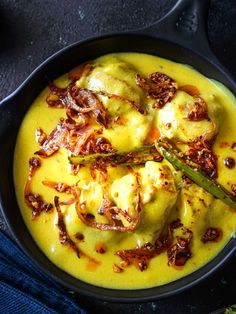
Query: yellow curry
{"points": [[127, 218]]}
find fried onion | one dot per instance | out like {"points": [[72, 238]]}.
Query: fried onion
{"points": [[158, 86], [64, 237], [112, 213], [76, 138], [33, 200]]}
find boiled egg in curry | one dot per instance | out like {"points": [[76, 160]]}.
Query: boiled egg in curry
{"points": [[99, 196]]}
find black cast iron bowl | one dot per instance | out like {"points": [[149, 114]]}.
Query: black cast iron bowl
{"points": [[180, 36]]}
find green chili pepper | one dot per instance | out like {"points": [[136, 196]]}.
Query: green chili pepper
{"points": [[137, 156], [194, 174]]}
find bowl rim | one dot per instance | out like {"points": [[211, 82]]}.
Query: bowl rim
{"points": [[184, 282]]}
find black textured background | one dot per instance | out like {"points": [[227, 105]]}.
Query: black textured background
{"points": [[31, 30]]}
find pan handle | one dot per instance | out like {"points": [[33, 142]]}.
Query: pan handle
{"points": [[185, 24]]}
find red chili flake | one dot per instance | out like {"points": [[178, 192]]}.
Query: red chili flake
{"points": [[229, 162], [212, 235], [158, 86]]}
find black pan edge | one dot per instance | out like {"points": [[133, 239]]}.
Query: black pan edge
{"points": [[9, 131]]}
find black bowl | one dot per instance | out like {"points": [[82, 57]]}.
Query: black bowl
{"points": [[13, 109]]}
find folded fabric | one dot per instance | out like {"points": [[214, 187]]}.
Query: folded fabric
{"points": [[25, 289]]}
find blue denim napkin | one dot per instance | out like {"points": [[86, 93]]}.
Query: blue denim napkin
{"points": [[25, 289]]}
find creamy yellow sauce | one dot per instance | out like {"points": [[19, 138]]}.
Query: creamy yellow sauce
{"points": [[116, 74]]}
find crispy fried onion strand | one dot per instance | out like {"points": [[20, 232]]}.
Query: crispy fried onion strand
{"points": [[200, 152], [62, 187], [158, 86], [80, 71], [82, 100], [78, 139], [56, 97], [112, 213], [63, 234], [78, 102], [84, 71], [64, 237], [140, 256], [131, 103], [199, 110], [180, 252], [34, 200], [107, 209], [64, 133], [212, 235]]}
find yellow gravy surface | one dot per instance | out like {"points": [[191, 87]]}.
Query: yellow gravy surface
{"points": [[196, 208]]}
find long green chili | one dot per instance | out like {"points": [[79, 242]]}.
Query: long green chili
{"points": [[137, 156], [194, 174]]}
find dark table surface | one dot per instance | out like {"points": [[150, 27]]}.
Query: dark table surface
{"points": [[30, 31]]}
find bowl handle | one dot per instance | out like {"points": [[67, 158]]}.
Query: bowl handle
{"points": [[185, 24]]}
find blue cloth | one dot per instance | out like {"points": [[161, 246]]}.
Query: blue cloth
{"points": [[25, 289]]}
